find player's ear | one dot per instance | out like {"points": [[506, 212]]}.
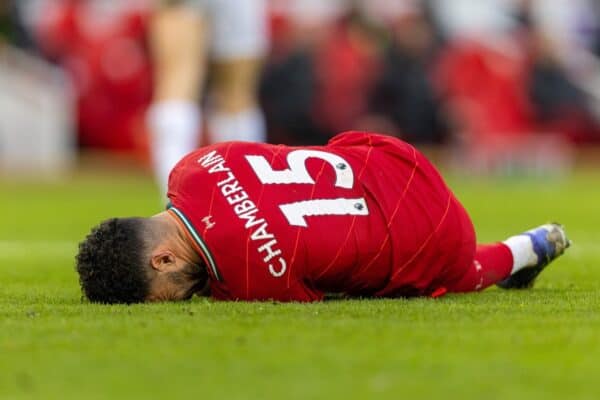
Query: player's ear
{"points": [[163, 260]]}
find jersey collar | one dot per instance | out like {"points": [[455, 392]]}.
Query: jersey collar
{"points": [[200, 245]]}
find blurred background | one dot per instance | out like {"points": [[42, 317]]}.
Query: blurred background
{"points": [[494, 86]]}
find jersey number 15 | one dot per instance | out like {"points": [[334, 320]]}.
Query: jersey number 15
{"points": [[297, 174]]}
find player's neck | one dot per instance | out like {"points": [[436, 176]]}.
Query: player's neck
{"points": [[178, 240]]}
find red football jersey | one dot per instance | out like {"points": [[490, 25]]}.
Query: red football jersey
{"points": [[365, 215]]}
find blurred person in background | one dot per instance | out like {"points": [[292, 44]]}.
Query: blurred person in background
{"points": [[553, 38], [184, 36], [507, 86], [300, 30], [404, 93], [352, 64], [347, 65], [566, 88], [101, 46], [327, 60], [481, 70]]}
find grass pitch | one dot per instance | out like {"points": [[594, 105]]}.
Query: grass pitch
{"points": [[539, 344]]}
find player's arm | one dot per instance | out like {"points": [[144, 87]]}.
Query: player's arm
{"points": [[177, 38]]}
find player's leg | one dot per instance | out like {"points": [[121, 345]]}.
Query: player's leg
{"points": [[238, 44], [235, 114], [492, 263], [515, 262], [178, 44]]}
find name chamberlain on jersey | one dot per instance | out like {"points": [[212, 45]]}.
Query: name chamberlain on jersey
{"points": [[247, 211]]}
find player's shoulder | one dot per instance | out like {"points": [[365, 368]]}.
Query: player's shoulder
{"points": [[364, 138], [227, 148]]}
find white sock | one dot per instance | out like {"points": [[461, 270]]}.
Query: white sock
{"points": [[521, 248], [175, 131], [246, 126]]}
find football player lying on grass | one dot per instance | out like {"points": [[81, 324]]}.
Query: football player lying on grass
{"points": [[366, 215]]}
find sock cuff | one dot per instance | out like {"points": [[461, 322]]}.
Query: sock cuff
{"points": [[246, 125], [175, 117], [175, 128], [521, 248]]}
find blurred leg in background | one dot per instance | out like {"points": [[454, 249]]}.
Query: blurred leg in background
{"points": [[178, 36], [239, 43], [185, 38]]}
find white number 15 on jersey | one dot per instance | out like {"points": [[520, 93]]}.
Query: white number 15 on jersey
{"points": [[297, 174]]}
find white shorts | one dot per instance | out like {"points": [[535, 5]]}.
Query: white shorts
{"points": [[238, 28]]}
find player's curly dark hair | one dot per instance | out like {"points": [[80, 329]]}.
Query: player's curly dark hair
{"points": [[111, 263]]}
